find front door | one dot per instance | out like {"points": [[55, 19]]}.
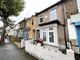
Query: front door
{"points": [[78, 35], [33, 34], [38, 34]]}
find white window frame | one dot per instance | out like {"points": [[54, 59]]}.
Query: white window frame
{"points": [[53, 14], [41, 16], [55, 43], [78, 5], [48, 34]]}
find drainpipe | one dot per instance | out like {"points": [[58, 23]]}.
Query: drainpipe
{"points": [[65, 21]]}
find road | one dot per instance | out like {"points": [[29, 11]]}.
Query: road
{"points": [[10, 52]]}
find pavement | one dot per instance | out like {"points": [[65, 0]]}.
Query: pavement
{"points": [[10, 52], [17, 44]]}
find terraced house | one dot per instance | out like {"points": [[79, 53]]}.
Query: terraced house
{"points": [[51, 22], [31, 23], [20, 30], [50, 25]]}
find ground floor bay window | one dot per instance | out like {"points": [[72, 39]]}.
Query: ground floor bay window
{"points": [[49, 35]]}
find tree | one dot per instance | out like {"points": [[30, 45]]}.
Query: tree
{"points": [[10, 23], [9, 8]]}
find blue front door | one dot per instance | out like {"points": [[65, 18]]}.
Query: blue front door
{"points": [[78, 35]]}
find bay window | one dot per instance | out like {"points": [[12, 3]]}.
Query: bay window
{"points": [[48, 34], [44, 36], [51, 37]]}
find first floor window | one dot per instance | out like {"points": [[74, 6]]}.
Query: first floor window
{"points": [[41, 19], [53, 14]]}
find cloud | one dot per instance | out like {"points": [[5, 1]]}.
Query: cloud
{"points": [[32, 6]]}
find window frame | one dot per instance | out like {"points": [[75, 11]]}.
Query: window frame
{"points": [[54, 16], [41, 16]]}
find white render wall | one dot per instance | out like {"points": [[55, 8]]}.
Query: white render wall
{"points": [[71, 26], [71, 30], [75, 18], [47, 53]]}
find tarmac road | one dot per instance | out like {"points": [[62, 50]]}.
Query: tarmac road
{"points": [[10, 52]]}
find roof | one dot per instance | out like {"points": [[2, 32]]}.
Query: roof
{"points": [[22, 21], [51, 7]]}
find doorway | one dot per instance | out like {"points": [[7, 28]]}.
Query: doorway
{"points": [[78, 34]]}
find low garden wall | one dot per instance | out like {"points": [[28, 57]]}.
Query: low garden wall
{"points": [[40, 52]]}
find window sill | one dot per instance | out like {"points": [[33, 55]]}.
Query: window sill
{"points": [[51, 44]]}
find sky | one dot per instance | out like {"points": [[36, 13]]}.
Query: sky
{"points": [[32, 6]]}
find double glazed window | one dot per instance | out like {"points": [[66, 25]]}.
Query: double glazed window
{"points": [[44, 34], [53, 15], [48, 34], [41, 18], [51, 35]]}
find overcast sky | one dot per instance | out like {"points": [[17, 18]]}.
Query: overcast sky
{"points": [[32, 6]]}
